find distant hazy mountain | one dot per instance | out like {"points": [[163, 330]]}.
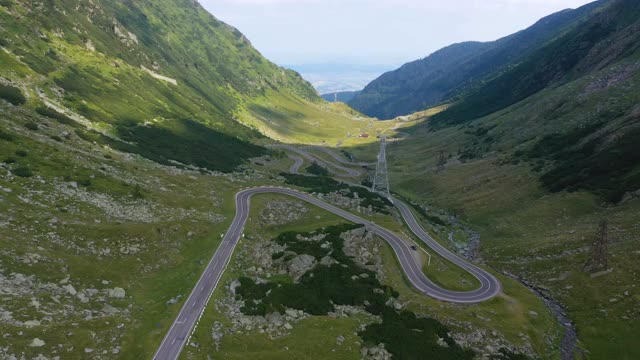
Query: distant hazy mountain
{"points": [[341, 96], [454, 70], [337, 77]]}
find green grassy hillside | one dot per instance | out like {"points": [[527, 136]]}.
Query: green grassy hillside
{"points": [[534, 180], [127, 127], [533, 160], [157, 78]]}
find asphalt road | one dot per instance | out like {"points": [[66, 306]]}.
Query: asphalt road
{"points": [[298, 162], [489, 285], [330, 166], [192, 310], [339, 158]]}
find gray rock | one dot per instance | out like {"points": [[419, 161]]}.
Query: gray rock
{"points": [[36, 343], [70, 289], [301, 264], [31, 323], [83, 298], [442, 343], [174, 300], [217, 336], [117, 293], [233, 286], [293, 313], [109, 310], [328, 261]]}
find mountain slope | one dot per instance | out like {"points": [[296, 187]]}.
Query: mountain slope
{"points": [[534, 180], [452, 71], [126, 128], [602, 39], [535, 160], [137, 70], [598, 153], [385, 96]]}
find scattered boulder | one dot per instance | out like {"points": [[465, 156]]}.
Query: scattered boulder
{"points": [[282, 212], [442, 343], [70, 289], [109, 310], [328, 261], [233, 286], [174, 300], [31, 323], [36, 343], [300, 264], [83, 298], [376, 353], [117, 293], [293, 313]]}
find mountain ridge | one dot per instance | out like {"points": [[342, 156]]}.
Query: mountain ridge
{"points": [[151, 66], [407, 89]]}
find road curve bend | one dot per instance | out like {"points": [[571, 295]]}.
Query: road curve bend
{"points": [[189, 315], [297, 164], [337, 157], [487, 280], [344, 171], [192, 310]]}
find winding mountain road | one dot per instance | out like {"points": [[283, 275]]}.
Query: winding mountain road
{"points": [[297, 164], [192, 310], [330, 166], [339, 158]]}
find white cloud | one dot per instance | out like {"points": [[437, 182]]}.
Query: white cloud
{"points": [[374, 31]]}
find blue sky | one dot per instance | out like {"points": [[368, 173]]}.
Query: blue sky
{"points": [[374, 32]]}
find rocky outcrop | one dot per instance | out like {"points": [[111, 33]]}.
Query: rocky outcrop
{"points": [[300, 264], [126, 37], [365, 249], [377, 352], [343, 200], [281, 212], [117, 293], [275, 325]]}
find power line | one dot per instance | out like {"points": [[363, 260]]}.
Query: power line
{"points": [[599, 249], [381, 179], [442, 161]]}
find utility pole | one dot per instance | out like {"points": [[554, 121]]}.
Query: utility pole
{"points": [[599, 249], [381, 179], [442, 161]]}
